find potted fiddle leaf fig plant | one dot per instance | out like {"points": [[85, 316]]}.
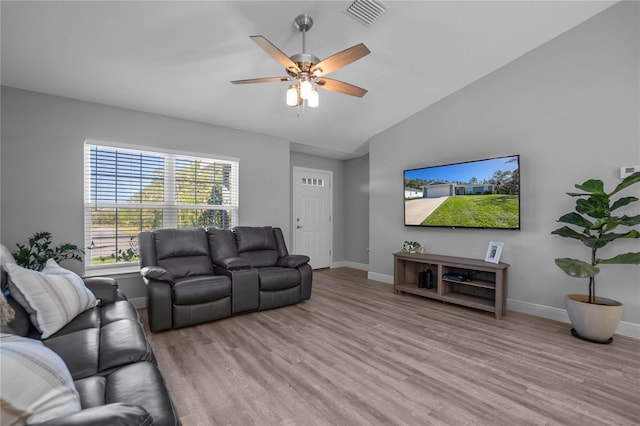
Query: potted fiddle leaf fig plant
{"points": [[593, 223]]}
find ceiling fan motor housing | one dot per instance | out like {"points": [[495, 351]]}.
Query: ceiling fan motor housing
{"points": [[305, 62]]}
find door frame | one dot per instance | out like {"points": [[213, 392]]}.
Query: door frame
{"points": [[295, 197]]}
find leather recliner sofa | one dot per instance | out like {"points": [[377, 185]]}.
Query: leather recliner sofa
{"points": [[198, 275], [110, 361]]}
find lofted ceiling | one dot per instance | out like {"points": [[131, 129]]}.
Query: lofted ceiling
{"points": [[177, 58]]}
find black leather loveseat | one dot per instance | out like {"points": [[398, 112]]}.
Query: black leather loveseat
{"points": [[198, 275], [109, 358]]}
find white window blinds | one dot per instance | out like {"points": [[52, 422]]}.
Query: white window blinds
{"points": [[128, 191]]}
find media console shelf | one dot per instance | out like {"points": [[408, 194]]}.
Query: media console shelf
{"points": [[468, 282]]}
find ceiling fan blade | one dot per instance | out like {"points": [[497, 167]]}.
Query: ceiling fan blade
{"points": [[276, 53], [261, 80], [340, 59], [341, 87]]}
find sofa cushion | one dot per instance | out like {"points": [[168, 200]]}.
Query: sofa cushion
{"points": [[187, 266], [102, 338], [180, 242], [222, 244], [116, 414], [123, 342], [275, 278], [118, 311], [260, 258], [80, 350], [52, 297], [183, 252], [35, 382], [138, 384], [196, 290], [251, 238]]}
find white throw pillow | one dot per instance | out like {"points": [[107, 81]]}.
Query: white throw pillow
{"points": [[52, 297], [36, 384], [5, 257]]}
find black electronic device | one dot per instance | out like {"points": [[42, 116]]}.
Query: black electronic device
{"points": [[425, 279], [456, 277]]}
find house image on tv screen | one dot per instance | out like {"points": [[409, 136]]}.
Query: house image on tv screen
{"points": [[439, 188]]}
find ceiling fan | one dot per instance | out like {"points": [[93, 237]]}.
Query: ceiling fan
{"points": [[306, 71]]}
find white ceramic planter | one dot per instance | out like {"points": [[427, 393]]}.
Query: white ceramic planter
{"points": [[595, 321]]}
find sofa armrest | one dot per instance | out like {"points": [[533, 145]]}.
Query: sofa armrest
{"points": [[232, 263], [116, 414], [293, 261], [156, 273], [104, 288]]}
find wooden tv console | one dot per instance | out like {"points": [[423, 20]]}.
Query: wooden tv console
{"points": [[468, 282]]}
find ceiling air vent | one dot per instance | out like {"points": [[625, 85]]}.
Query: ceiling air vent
{"points": [[366, 11]]}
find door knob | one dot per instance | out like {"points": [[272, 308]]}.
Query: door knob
{"points": [[298, 227]]}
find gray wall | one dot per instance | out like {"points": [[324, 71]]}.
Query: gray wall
{"points": [[570, 108], [357, 210], [42, 164]]}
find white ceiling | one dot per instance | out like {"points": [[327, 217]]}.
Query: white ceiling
{"points": [[177, 58]]}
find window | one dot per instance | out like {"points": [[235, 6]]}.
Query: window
{"points": [[129, 190]]}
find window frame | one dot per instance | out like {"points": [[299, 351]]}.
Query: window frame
{"points": [[170, 206]]}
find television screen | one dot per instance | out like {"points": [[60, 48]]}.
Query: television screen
{"points": [[473, 194]]}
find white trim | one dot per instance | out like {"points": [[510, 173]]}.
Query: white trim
{"points": [[625, 328], [347, 264], [388, 279], [156, 150], [121, 270]]}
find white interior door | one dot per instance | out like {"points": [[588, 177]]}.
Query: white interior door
{"points": [[312, 215]]}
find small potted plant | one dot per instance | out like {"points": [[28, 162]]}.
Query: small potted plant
{"points": [[410, 247], [594, 222], [39, 249]]}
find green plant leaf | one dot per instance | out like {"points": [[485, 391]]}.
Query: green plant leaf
{"points": [[596, 207], [574, 218], [623, 202], [592, 186], [629, 180], [577, 268], [567, 232], [629, 220], [622, 259], [605, 239]]}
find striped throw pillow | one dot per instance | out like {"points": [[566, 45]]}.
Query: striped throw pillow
{"points": [[36, 383], [52, 297]]}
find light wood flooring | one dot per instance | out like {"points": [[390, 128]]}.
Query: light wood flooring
{"points": [[357, 354]]}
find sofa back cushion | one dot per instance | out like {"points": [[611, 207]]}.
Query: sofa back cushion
{"points": [[257, 245], [222, 244], [183, 252]]}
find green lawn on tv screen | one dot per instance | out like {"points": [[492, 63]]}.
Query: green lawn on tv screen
{"points": [[491, 211]]}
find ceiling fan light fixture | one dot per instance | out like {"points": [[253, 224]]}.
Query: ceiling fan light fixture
{"points": [[314, 99], [292, 95], [305, 88]]}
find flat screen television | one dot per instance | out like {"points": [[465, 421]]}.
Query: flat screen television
{"points": [[472, 194]]}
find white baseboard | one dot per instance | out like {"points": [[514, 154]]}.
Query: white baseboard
{"points": [[354, 265], [625, 328], [388, 279]]}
